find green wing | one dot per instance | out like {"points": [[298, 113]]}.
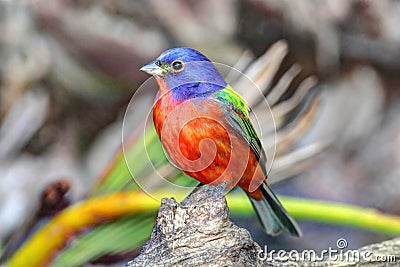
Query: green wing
{"points": [[237, 113]]}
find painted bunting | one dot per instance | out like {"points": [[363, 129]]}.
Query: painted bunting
{"points": [[204, 127]]}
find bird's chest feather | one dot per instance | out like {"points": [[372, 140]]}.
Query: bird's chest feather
{"points": [[200, 141], [194, 116], [181, 126], [197, 137], [184, 124]]}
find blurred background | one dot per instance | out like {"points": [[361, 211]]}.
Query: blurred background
{"points": [[70, 67]]}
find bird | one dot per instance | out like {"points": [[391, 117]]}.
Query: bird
{"points": [[205, 130]]}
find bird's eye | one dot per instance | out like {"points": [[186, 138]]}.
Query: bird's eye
{"points": [[178, 65]]}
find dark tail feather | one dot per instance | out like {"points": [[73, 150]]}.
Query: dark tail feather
{"points": [[272, 215]]}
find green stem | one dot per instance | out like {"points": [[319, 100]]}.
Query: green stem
{"points": [[328, 212]]}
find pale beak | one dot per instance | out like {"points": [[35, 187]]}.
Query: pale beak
{"points": [[153, 69]]}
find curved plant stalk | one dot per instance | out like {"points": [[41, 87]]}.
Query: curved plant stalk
{"points": [[40, 249], [118, 238], [328, 212], [343, 214]]}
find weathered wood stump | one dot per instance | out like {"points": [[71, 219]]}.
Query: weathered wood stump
{"points": [[198, 232]]}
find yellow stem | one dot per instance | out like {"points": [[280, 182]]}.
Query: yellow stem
{"points": [[41, 247]]}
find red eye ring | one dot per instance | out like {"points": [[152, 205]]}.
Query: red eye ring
{"points": [[177, 65]]}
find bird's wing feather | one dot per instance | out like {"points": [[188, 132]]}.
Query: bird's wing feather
{"points": [[237, 112]]}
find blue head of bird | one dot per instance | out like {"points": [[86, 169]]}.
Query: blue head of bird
{"points": [[187, 72]]}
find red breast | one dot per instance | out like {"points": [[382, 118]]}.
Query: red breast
{"points": [[199, 139]]}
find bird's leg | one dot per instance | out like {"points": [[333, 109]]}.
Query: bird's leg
{"points": [[201, 186], [198, 187], [200, 191]]}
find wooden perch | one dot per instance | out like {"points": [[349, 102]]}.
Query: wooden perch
{"points": [[199, 232]]}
